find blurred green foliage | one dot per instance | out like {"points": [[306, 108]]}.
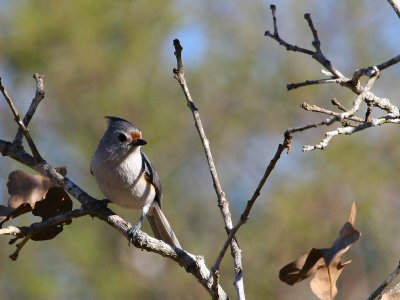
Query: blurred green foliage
{"points": [[115, 58]]}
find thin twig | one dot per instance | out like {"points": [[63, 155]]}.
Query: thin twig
{"points": [[378, 292], [302, 128], [382, 103], [388, 63], [32, 146], [368, 114], [39, 95], [223, 203], [277, 38], [341, 130], [318, 55], [246, 212], [316, 42], [361, 97], [19, 247], [335, 102], [292, 86], [326, 122], [353, 83], [215, 275], [315, 108], [370, 71], [396, 6]]}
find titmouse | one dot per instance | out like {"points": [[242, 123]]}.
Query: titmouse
{"points": [[127, 177]]}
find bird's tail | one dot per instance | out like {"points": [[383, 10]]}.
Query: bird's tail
{"points": [[160, 226]]}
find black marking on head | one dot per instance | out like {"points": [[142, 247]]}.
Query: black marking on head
{"points": [[112, 119], [116, 122]]}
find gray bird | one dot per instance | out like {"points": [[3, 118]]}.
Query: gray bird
{"points": [[126, 177]]}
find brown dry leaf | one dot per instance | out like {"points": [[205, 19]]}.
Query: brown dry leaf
{"points": [[347, 237], [326, 264], [353, 213], [55, 202], [25, 191], [26, 188], [323, 284], [301, 268]]}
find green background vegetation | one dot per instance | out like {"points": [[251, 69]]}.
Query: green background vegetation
{"points": [[116, 58]]}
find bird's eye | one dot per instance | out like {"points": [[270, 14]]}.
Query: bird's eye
{"points": [[122, 137]]}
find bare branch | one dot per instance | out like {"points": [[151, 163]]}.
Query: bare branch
{"points": [[337, 116], [316, 42], [19, 246], [396, 6], [223, 203], [382, 103], [39, 95], [368, 114], [361, 97], [215, 275], [335, 102], [277, 38], [246, 212], [21, 125], [293, 86], [341, 130], [388, 63], [380, 290], [302, 128], [317, 54], [335, 74]]}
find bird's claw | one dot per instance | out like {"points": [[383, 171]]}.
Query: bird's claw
{"points": [[132, 233]]}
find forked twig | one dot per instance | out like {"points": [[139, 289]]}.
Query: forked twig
{"points": [[246, 212], [20, 123], [39, 95], [335, 76], [19, 246], [223, 203]]}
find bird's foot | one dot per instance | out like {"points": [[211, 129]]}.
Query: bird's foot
{"points": [[132, 233]]}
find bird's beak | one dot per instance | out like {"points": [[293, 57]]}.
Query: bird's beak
{"points": [[137, 139], [138, 142]]}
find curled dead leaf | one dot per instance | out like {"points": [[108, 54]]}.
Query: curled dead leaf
{"points": [[26, 188], [325, 264], [55, 202], [323, 283], [36, 193], [301, 268]]}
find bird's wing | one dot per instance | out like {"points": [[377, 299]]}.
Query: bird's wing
{"points": [[151, 175]]}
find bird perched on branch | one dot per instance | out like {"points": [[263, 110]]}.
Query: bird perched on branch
{"points": [[126, 177]]}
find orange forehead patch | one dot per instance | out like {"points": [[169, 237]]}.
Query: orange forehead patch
{"points": [[136, 135]]}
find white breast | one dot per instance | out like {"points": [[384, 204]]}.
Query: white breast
{"points": [[123, 183]]}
